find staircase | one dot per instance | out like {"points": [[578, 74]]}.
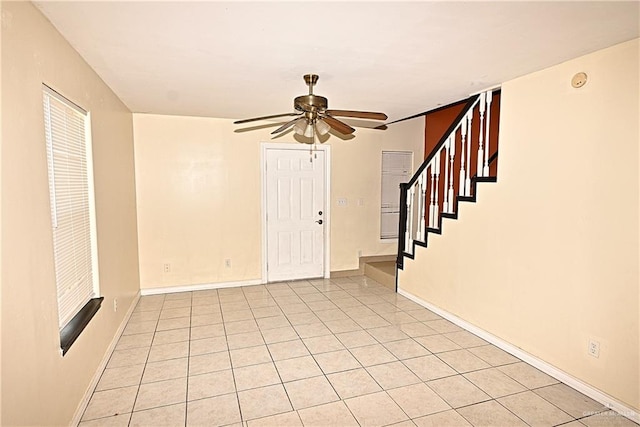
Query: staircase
{"points": [[466, 155]]}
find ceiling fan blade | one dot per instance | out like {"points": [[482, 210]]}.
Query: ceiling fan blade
{"points": [[337, 125], [358, 114], [264, 118], [285, 126], [381, 127]]}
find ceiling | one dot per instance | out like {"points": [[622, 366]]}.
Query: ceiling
{"points": [[244, 59]]}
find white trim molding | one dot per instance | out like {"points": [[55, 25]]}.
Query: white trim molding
{"points": [[199, 287], [590, 391], [82, 406]]}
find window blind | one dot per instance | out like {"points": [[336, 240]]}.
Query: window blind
{"points": [[66, 133]]}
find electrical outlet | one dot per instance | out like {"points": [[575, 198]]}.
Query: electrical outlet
{"points": [[594, 348], [227, 263], [167, 268], [342, 202], [115, 304]]}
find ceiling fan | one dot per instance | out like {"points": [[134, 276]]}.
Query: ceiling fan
{"points": [[313, 117]]}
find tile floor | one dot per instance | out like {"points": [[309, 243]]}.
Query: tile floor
{"points": [[339, 352]]}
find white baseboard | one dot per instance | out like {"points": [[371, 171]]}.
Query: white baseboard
{"points": [[200, 287], [595, 394], [77, 416]]}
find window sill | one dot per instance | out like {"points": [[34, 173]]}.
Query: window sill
{"points": [[72, 330]]}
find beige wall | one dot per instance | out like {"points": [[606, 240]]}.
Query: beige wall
{"points": [[39, 387], [548, 257], [199, 195]]}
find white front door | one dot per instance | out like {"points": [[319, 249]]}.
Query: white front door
{"points": [[295, 214]]}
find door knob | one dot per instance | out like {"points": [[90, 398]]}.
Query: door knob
{"points": [[319, 221]]}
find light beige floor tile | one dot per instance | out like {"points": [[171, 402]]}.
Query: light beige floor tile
{"points": [[416, 329], [249, 339], [206, 319], [494, 382], [336, 361], [127, 342], [457, 391], [240, 327], [214, 411], [443, 326], [527, 375], [201, 300], [266, 311], [329, 414], [234, 306], [110, 402], [418, 400], [353, 383], [120, 377], [165, 370], [210, 362], [392, 375], [397, 318], [569, 400], [387, 334], [262, 302], [462, 361], [490, 414], [310, 330], [356, 339], [145, 326], [422, 314], [406, 349], [344, 325], [322, 344], [294, 308], [493, 355], [133, 356], [370, 322], [534, 410], [250, 356], [207, 331], [172, 313], [377, 409], [263, 402], [407, 423], [465, 339], [429, 368], [310, 392], [255, 376], [161, 393], [171, 336], [332, 315], [321, 305], [297, 368], [207, 345], [165, 416], [120, 420], [288, 349], [210, 385], [233, 316], [273, 322], [177, 323], [279, 335], [206, 309], [437, 343], [304, 318], [288, 419], [442, 419], [372, 355], [607, 419], [168, 351]]}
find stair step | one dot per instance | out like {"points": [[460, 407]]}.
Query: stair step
{"points": [[383, 272]]}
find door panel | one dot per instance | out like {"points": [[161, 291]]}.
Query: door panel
{"points": [[295, 198]]}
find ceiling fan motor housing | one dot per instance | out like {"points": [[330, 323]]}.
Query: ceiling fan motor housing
{"points": [[306, 103]]}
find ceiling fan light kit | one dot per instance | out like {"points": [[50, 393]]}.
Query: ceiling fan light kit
{"points": [[314, 117]]}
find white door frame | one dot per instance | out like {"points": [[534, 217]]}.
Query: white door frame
{"points": [[264, 146]]}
